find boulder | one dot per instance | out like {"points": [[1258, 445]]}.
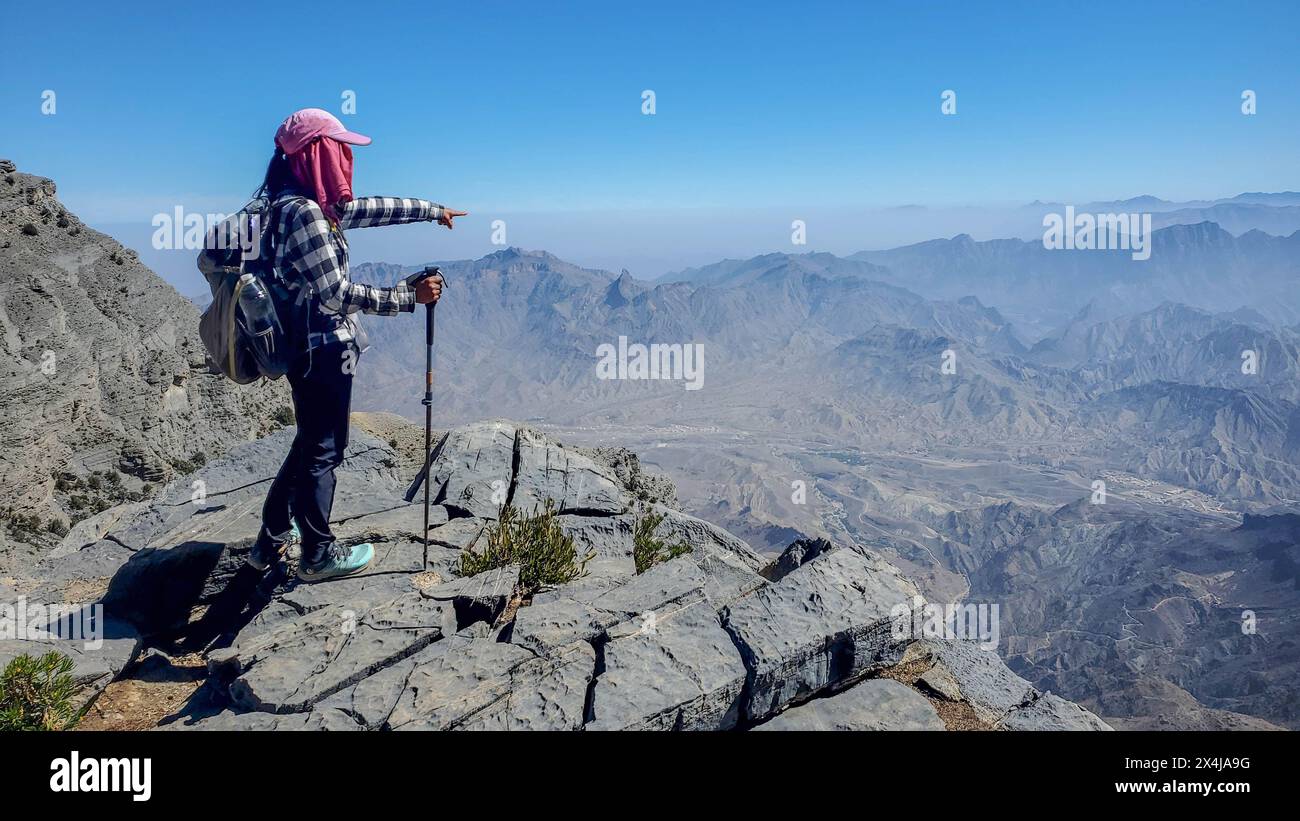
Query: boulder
{"points": [[472, 468], [102, 649], [823, 623], [547, 470], [1051, 712], [676, 670], [585, 613], [875, 704]]}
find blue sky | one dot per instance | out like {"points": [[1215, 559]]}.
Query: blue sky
{"points": [[534, 110]]}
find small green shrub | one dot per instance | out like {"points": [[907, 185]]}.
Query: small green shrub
{"points": [[283, 415], [36, 693], [647, 551], [544, 552], [57, 527], [24, 526]]}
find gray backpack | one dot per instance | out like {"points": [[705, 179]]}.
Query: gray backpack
{"points": [[252, 328]]}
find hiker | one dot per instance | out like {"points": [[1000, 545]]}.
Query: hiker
{"points": [[309, 183]]}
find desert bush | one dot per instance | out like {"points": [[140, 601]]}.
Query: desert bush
{"points": [[36, 693], [647, 551], [544, 552], [23, 526]]}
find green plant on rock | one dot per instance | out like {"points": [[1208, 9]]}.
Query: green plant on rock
{"points": [[36, 693], [647, 551], [544, 552]]}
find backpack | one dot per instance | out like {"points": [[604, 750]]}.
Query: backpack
{"points": [[253, 327]]}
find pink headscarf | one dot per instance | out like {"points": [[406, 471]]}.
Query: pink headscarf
{"points": [[324, 168]]}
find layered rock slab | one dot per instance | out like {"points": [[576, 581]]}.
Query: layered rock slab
{"points": [[676, 671], [826, 621], [295, 664], [874, 704], [472, 682]]}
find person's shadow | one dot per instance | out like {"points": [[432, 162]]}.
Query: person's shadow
{"points": [[193, 597], [190, 598]]}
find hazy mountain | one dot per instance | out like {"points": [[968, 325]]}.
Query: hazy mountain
{"points": [[528, 325], [1237, 218], [1200, 265], [740, 271], [836, 404], [1176, 343]]}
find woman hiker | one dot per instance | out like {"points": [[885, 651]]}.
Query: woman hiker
{"points": [[309, 183]]}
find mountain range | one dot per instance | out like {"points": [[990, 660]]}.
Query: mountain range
{"points": [[1106, 450], [1135, 419]]}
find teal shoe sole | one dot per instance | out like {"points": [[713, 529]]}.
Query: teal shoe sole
{"points": [[333, 570]]}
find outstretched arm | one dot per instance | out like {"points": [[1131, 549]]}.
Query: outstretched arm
{"points": [[370, 212], [311, 252]]}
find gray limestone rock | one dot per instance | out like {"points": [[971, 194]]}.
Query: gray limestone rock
{"points": [[293, 665], [675, 670], [473, 467], [823, 623], [472, 682], [586, 613], [985, 683], [575, 483], [875, 704], [714, 639], [100, 648], [1051, 712]]}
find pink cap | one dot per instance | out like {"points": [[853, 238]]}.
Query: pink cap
{"points": [[306, 125]]}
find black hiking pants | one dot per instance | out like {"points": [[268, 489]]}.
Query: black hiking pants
{"points": [[304, 488]]}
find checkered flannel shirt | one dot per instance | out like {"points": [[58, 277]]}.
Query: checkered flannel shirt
{"points": [[310, 249]]}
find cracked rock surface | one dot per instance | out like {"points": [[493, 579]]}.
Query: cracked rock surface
{"points": [[719, 638]]}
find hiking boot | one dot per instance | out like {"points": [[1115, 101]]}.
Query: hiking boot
{"points": [[338, 561], [272, 549]]}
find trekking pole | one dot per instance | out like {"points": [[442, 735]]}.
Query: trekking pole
{"points": [[429, 309]]}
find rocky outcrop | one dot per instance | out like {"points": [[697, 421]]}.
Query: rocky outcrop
{"points": [[103, 383], [714, 639]]}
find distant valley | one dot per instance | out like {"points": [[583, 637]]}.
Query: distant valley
{"points": [[889, 399]]}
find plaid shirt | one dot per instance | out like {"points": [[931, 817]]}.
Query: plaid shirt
{"points": [[310, 249]]}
